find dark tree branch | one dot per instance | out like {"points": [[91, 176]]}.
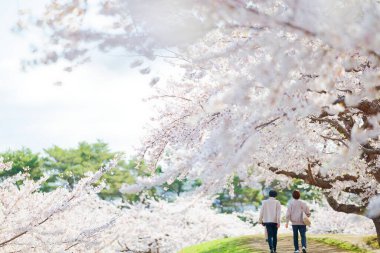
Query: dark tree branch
{"points": [[345, 208], [335, 124], [326, 184], [370, 151], [266, 123], [361, 67], [345, 90], [369, 108], [375, 172], [73, 245], [318, 180], [171, 96], [334, 139], [2, 244]]}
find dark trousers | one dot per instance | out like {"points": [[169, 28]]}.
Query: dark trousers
{"points": [[272, 235], [302, 231]]}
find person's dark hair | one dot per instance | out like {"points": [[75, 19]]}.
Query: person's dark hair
{"points": [[272, 193], [296, 194]]}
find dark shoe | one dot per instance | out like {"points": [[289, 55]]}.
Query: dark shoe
{"points": [[303, 250]]}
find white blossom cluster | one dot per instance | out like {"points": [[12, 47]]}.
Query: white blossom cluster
{"points": [[79, 221], [327, 221], [286, 87], [34, 221], [63, 221]]}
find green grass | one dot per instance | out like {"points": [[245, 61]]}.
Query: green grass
{"points": [[228, 245], [244, 244], [341, 244], [371, 241]]}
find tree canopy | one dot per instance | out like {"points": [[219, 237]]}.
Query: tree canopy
{"points": [[23, 160], [290, 87], [66, 167]]}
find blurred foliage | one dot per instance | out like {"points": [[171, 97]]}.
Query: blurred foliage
{"points": [[241, 197], [308, 192], [68, 166], [372, 242], [245, 198], [170, 191], [65, 167], [23, 160]]}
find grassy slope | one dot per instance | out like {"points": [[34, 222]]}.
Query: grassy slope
{"points": [[341, 244], [236, 245], [371, 241], [361, 243]]}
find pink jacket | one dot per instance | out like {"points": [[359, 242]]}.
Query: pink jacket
{"points": [[294, 213]]}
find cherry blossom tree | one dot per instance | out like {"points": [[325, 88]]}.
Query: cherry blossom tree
{"points": [[79, 221], [34, 221], [289, 88]]}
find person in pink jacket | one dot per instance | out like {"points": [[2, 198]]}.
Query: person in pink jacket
{"points": [[296, 210]]}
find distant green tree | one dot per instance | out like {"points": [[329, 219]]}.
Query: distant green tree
{"points": [[126, 173], [242, 198], [170, 191], [308, 192], [176, 188], [67, 166], [24, 161]]}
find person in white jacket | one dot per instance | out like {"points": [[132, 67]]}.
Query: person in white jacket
{"points": [[270, 217], [295, 213]]}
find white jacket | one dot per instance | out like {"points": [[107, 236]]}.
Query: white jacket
{"points": [[270, 211]]}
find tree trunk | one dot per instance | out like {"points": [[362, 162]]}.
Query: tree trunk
{"points": [[376, 221]]}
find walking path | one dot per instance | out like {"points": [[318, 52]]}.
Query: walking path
{"points": [[257, 244], [285, 245]]}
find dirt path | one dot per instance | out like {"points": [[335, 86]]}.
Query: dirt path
{"points": [[285, 245]]}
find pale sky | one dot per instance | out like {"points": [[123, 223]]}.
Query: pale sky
{"points": [[100, 100]]}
